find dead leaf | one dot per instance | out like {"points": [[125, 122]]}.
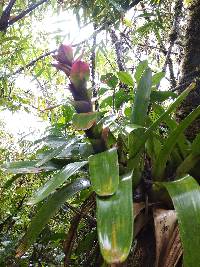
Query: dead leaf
{"points": [[168, 244]]}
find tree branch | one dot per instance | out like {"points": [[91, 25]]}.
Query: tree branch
{"points": [[31, 63], [83, 214], [4, 20], [25, 12], [71, 235]]}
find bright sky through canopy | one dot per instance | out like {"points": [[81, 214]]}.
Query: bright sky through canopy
{"points": [[22, 123]]}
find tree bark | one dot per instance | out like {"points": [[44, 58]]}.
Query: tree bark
{"points": [[191, 67]]}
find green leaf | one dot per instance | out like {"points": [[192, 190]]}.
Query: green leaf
{"points": [[27, 167], [142, 97], [52, 141], [156, 78], [185, 194], [160, 96], [57, 180], [189, 162], [110, 79], [125, 78], [104, 172], [183, 143], [11, 181], [48, 210], [140, 143], [56, 152], [50, 155], [107, 102], [196, 145], [84, 121], [121, 97], [140, 70], [115, 222], [139, 111], [153, 147], [38, 73], [159, 167]]}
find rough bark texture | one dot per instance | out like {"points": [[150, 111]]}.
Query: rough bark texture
{"points": [[191, 66]]}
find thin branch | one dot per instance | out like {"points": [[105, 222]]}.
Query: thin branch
{"points": [[25, 12], [34, 61], [31, 63]]}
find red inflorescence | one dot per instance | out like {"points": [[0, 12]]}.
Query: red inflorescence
{"points": [[65, 55], [79, 73]]}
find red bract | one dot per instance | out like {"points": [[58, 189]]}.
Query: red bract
{"points": [[79, 73], [65, 55]]}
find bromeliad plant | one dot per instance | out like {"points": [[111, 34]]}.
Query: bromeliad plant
{"points": [[143, 157]]}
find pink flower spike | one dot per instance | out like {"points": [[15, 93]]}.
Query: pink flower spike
{"points": [[80, 73], [65, 54]]}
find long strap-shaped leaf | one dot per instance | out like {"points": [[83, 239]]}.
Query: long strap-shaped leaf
{"points": [[142, 98], [139, 114], [172, 124], [185, 194], [19, 167], [56, 151], [48, 209], [57, 180], [154, 125], [191, 160], [159, 167], [104, 172], [115, 222]]}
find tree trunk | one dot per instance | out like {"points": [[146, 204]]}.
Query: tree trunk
{"points": [[191, 67]]}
